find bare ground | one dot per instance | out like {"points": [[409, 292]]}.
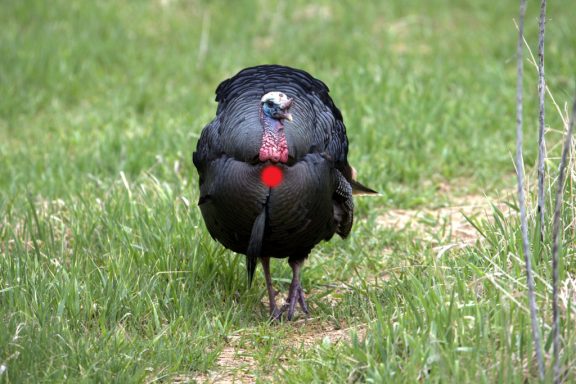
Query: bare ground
{"points": [[446, 226], [236, 363]]}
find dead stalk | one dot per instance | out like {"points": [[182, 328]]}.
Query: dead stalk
{"points": [[521, 197]]}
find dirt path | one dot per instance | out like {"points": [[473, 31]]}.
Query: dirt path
{"points": [[236, 363]]}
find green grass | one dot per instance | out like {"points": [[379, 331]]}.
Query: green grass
{"points": [[107, 273]]}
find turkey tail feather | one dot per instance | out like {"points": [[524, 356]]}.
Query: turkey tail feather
{"points": [[359, 189], [255, 244]]}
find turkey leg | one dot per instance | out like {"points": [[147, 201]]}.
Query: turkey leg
{"points": [[275, 313], [296, 293]]}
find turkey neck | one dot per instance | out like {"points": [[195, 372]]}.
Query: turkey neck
{"points": [[274, 146]]}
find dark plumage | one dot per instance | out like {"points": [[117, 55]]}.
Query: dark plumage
{"points": [[282, 116]]}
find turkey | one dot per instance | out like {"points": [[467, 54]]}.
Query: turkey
{"points": [[273, 172]]}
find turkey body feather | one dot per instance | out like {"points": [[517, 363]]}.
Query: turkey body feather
{"points": [[314, 199], [233, 195]]}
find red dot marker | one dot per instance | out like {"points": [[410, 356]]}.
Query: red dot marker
{"points": [[272, 176]]}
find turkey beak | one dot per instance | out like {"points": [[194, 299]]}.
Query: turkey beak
{"points": [[285, 114]]}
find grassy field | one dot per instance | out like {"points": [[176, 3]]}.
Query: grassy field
{"points": [[107, 272]]}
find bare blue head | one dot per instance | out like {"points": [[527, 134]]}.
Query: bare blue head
{"points": [[276, 105]]}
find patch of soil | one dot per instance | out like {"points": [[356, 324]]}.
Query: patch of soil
{"points": [[237, 365], [444, 226]]}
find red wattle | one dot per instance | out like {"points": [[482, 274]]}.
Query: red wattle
{"points": [[274, 148]]}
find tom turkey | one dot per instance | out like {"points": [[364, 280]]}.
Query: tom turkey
{"points": [[274, 174]]}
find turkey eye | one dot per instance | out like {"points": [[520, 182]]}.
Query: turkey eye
{"points": [[269, 103]]}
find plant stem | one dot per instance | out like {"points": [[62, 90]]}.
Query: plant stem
{"points": [[555, 244], [541, 94], [521, 197]]}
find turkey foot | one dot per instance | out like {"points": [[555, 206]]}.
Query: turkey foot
{"points": [[295, 294]]}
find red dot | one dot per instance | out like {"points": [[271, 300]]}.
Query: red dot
{"points": [[272, 176]]}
